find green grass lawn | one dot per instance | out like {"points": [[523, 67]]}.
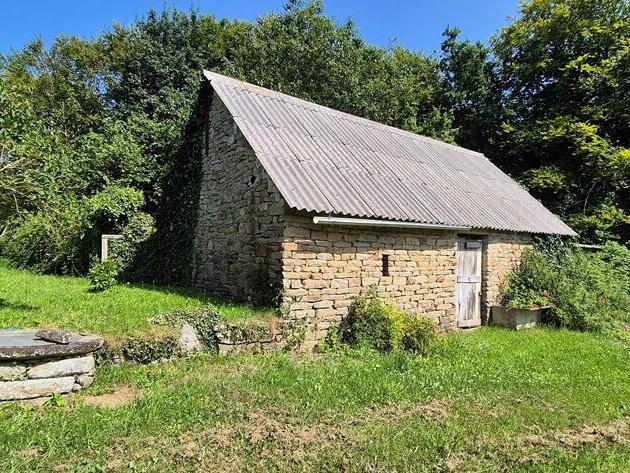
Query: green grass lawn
{"points": [[491, 400], [30, 300]]}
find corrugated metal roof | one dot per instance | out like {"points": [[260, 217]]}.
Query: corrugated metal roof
{"points": [[330, 162]]}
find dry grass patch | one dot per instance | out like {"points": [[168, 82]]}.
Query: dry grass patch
{"points": [[393, 413], [538, 449], [119, 396], [275, 435], [587, 436], [29, 452]]}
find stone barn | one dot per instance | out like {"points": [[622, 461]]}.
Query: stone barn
{"points": [[324, 205]]}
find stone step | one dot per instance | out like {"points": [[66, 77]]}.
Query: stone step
{"points": [[35, 388]]}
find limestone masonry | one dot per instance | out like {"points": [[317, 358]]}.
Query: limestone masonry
{"points": [[241, 214], [32, 369], [248, 240]]}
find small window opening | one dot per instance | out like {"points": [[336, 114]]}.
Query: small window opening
{"points": [[385, 265], [252, 180]]}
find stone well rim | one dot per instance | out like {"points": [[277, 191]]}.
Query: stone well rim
{"points": [[22, 344]]}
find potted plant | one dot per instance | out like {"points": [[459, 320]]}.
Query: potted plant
{"points": [[519, 309]]}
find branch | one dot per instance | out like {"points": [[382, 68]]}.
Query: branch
{"points": [[588, 194]]}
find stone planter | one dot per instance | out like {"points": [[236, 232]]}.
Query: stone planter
{"points": [[34, 369], [516, 319]]}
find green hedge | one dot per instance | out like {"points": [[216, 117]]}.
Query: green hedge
{"points": [[586, 291]]}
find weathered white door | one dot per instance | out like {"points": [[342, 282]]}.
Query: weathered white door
{"points": [[468, 285]]}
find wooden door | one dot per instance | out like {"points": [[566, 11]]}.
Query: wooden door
{"points": [[468, 285]]}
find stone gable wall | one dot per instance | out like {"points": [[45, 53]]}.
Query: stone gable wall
{"points": [[240, 223]]}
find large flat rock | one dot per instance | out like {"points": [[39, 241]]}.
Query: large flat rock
{"points": [[60, 368], [24, 345], [34, 388]]}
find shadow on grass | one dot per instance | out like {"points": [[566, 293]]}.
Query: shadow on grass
{"points": [[244, 309], [5, 304]]}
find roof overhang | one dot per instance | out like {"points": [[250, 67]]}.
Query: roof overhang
{"points": [[368, 222]]}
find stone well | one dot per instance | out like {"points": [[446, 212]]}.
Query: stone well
{"points": [[34, 364]]}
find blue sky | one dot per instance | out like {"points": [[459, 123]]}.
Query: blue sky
{"points": [[416, 24]]}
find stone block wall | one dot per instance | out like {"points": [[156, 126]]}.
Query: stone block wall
{"points": [[240, 222], [325, 267], [259, 336], [245, 236], [38, 380], [502, 252]]}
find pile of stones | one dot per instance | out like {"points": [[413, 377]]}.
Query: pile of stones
{"points": [[37, 364]]}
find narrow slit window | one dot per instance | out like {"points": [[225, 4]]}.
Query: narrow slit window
{"points": [[385, 265]]}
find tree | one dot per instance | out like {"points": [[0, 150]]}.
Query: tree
{"points": [[302, 52], [564, 70], [470, 89], [82, 120], [86, 118]]}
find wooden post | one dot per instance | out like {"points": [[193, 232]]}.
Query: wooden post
{"points": [[105, 244]]}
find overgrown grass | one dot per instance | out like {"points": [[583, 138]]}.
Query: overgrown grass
{"points": [[31, 300], [492, 400]]}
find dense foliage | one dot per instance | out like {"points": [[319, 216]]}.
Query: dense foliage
{"points": [[379, 324], [586, 291], [99, 136], [548, 102], [103, 274]]}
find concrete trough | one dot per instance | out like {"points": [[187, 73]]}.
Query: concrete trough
{"points": [[516, 319]]}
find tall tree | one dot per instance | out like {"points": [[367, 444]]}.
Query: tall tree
{"points": [[303, 52], [470, 89], [565, 73], [99, 118]]}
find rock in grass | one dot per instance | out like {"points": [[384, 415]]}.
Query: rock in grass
{"points": [[84, 380], [55, 336], [34, 388], [188, 339]]}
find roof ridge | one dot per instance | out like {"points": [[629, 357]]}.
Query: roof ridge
{"points": [[210, 75]]}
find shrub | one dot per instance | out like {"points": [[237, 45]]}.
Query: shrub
{"points": [[373, 321], [586, 291], [148, 350], [61, 240], [528, 285], [103, 275], [420, 332], [618, 257], [138, 230], [378, 323], [50, 241], [332, 342]]}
